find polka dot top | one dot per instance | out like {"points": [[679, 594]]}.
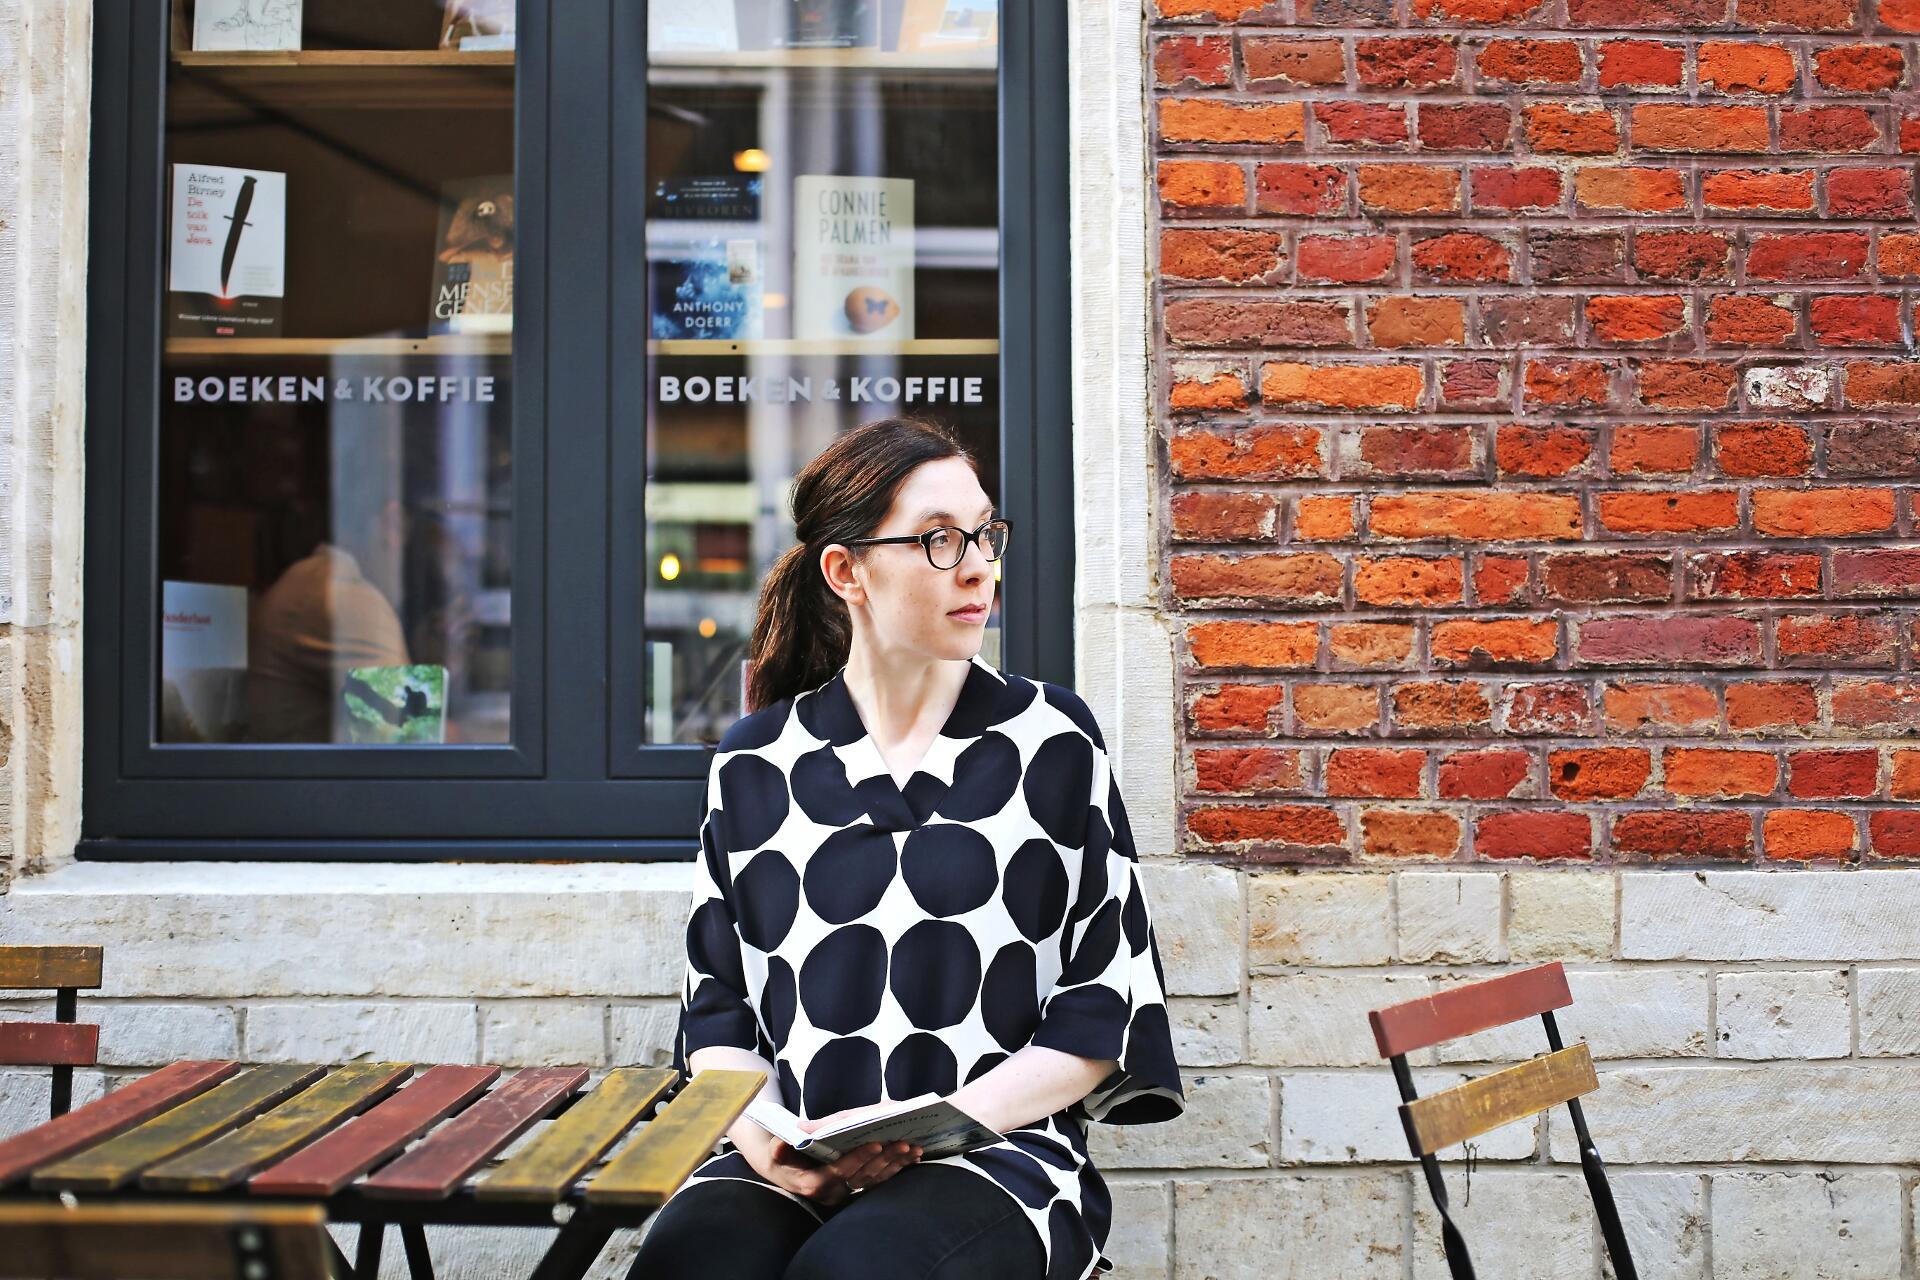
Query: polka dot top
{"points": [[875, 942]]}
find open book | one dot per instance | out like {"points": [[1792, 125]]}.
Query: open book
{"points": [[929, 1122]]}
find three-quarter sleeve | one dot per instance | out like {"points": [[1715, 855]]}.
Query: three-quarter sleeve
{"points": [[714, 1005], [1110, 1000]]}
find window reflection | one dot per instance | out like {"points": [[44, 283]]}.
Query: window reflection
{"points": [[335, 452], [823, 249]]}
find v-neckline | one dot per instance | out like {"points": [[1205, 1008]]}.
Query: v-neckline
{"points": [[891, 805]]}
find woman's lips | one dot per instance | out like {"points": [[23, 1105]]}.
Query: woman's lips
{"points": [[972, 613]]}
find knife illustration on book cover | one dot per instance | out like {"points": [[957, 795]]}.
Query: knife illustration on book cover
{"points": [[237, 222]]}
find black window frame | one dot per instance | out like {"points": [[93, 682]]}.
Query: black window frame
{"points": [[578, 781]]}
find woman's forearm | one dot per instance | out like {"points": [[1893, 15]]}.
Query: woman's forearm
{"points": [[744, 1132], [1031, 1085]]}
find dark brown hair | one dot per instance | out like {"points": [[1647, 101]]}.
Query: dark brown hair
{"points": [[802, 632]]}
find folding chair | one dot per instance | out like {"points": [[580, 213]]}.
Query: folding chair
{"points": [[163, 1242], [1470, 1109], [61, 1044]]}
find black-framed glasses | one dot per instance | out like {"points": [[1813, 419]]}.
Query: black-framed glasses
{"points": [[946, 544]]}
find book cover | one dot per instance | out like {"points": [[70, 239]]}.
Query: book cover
{"points": [[472, 26], [473, 269], [227, 251], [203, 662], [692, 26], [830, 24], [396, 704], [940, 26], [853, 257], [929, 1122], [707, 289], [246, 24], [727, 197]]}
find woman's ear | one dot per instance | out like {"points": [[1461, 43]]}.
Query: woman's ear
{"points": [[837, 567]]}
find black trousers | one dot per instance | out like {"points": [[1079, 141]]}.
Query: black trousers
{"points": [[927, 1222]]}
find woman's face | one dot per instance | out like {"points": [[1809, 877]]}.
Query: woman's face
{"points": [[900, 602]]}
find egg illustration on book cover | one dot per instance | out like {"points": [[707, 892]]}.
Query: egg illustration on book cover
{"points": [[871, 309]]}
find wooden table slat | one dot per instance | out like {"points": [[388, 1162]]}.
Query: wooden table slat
{"points": [[674, 1143], [49, 1044], [132, 1103], [226, 1160], [569, 1146], [186, 1126], [31, 968], [333, 1160], [434, 1168]]}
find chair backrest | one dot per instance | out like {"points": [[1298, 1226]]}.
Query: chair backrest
{"points": [[163, 1242], [1467, 1110], [64, 1043]]}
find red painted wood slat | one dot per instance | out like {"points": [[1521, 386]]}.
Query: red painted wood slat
{"points": [[134, 1103], [332, 1161], [1468, 1007], [49, 1044], [434, 1168]]}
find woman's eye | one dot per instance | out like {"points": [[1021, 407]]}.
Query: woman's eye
{"points": [[941, 539]]}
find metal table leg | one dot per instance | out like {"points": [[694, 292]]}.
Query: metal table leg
{"points": [[413, 1237], [366, 1264], [575, 1249]]}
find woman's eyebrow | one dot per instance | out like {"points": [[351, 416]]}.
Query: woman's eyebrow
{"points": [[947, 517]]}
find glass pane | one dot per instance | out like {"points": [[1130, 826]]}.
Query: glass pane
{"points": [[335, 462], [823, 249]]}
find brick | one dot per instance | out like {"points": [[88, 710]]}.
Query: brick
{"points": [[1783, 1014], [1794, 387], [1899, 254], [1249, 770], [1876, 704], [1407, 580], [1203, 61], [1671, 127], [1645, 13], [1236, 709], [1441, 706], [1752, 575], [1870, 193], [1370, 645], [1323, 519], [1797, 15], [1331, 919], [1405, 62], [1202, 186], [1711, 773], [1376, 773], [1873, 384], [1598, 773], [1883, 572], [1644, 512], [1521, 61], [1745, 320], [1654, 450], [1362, 124], [1661, 708], [1469, 126], [1556, 129], [1562, 383], [1493, 774], [1408, 188], [1270, 645], [1754, 449], [1695, 256], [1542, 452], [1685, 384], [1495, 12], [1475, 384], [1689, 640], [1636, 317], [1221, 255], [1306, 190], [1828, 130], [1286, 61], [1889, 1012], [1385, 387], [1500, 579], [1416, 322], [1684, 835], [1906, 775], [1408, 833], [1758, 916], [1554, 708], [1462, 257], [1481, 517], [1772, 705], [1342, 1221], [1202, 389], [1630, 189], [1476, 642], [1515, 187], [1802, 835], [1226, 321], [1859, 68], [1760, 191], [1533, 833], [1641, 64], [1833, 775], [1224, 517], [1210, 10], [1822, 513], [1894, 833], [1257, 452], [1607, 577], [1577, 257], [1807, 255], [1346, 259], [1739, 66], [1837, 640], [1561, 914], [1286, 581], [1256, 828], [1211, 120], [1335, 708], [1855, 319]]}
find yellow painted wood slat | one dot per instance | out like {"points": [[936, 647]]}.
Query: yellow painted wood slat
{"points": [[345, 1093], [24, 968], [160, 1242], [569, 1145], [186, 1126], [673, 1144], [1471, 1109]]}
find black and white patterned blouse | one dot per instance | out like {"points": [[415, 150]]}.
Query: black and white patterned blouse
{"points": [[875, 943]]}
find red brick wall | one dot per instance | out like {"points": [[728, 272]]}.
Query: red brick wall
{"points": [[1540, 421]]}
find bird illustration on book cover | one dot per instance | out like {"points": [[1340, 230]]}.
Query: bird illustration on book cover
{"points": [[473, 270]]}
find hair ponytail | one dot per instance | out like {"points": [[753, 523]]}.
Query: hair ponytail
{"points": [[802, 632]]}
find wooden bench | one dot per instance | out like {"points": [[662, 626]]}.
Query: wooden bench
{"points": [[163, 1242], [1471, 1109], [64, 1043]]}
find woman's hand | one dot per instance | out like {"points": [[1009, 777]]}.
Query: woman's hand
{"points": [[827, 1184]]}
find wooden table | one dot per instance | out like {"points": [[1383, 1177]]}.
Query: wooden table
{"points": [[391, 1143]]}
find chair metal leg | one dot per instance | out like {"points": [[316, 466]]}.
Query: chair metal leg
{"points": [[413, 1237], [1596, 1174], [337, 1261], [66, 1008], [1459, 1263], [366, 1261]]}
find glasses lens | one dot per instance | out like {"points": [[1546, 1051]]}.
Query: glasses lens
{"points": [[995, 539], [945, 546]]}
